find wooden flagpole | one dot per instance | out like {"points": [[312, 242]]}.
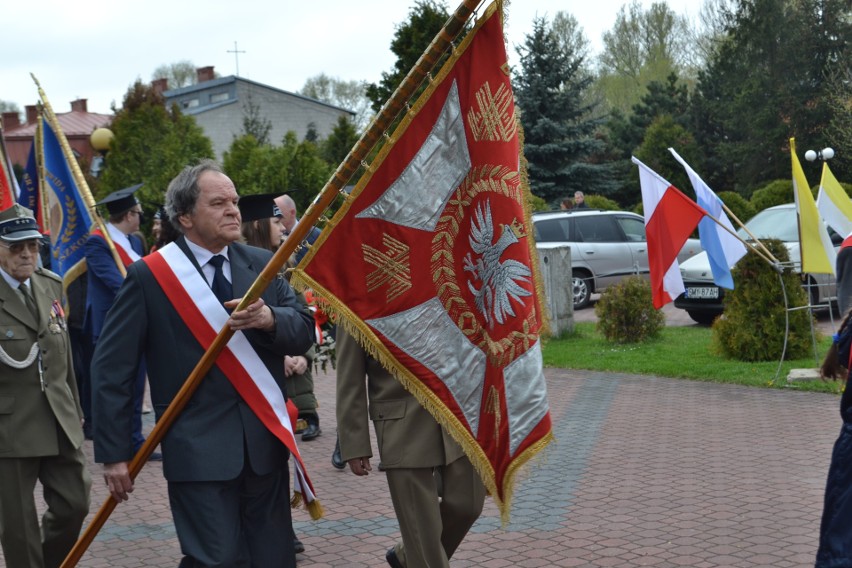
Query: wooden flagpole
{"points": [[741, 224], [391, 109], [42, 182], [770, 259], [79, 178]]}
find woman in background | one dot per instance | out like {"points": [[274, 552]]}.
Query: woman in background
{"points": [[262, 227]]}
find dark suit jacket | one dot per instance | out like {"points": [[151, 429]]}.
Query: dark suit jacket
{"points": [[313, 235], [208, 442], [28, 415], [104, 280], [844, 277]]}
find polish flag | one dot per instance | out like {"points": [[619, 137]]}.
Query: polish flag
{"points": [[670, 217]]}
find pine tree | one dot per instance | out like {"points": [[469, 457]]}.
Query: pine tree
{"points": [[560, 141], [341, 140]]}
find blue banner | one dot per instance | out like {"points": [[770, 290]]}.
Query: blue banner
{"points": [[29, 187], [69, 218]]}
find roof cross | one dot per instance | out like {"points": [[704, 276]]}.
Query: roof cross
{"points": [[236, 53]]}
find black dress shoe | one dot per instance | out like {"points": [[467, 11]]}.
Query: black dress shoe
{"points": [[336, 458], [311, 432], [392, 559], [298, 546]]}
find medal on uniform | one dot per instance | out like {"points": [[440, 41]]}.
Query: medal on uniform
{"points": [[57, 318]]}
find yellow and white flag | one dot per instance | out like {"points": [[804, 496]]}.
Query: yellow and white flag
{"points": [[834, 204], [818, 255]]}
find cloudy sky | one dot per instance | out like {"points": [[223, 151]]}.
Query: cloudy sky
{"points": [[95, 49]]}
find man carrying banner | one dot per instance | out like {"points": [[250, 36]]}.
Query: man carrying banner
{"points": [[227, 473], [104, 279], [437, 495], [40, 431]]}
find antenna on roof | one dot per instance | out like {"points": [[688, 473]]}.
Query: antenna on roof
{"points": [[236, 53]]}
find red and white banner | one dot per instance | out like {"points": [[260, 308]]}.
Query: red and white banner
{"points": [[201, 311], [440, 271]]}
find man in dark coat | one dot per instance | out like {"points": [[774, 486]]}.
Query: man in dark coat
{"points": [[227, 474], [290, 218], [104, 280]]}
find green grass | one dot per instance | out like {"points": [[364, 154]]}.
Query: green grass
{"points": [[679, 352]]}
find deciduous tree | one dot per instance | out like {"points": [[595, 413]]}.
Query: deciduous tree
{"points": [[179, 74], [152, 144], [351, 95]]}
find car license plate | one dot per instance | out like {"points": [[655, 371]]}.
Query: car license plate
{"points": [[703, 293]]}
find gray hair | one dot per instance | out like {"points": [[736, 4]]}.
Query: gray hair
{"points": [[183, 191]]}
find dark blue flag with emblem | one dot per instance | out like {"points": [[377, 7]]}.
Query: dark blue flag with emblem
{"points": [[29, 196], [68, 218]]}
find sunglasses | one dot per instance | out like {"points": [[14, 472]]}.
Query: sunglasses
{"points": [[18, 248]]}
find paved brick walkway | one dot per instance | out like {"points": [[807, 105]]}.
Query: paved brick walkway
{"points": [[645, 472]]}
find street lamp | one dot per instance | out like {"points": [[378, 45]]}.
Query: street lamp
{"points": [[100, 140], [824, 154]]}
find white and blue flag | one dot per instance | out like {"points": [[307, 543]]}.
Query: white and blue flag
{"points": [[723, 248]]}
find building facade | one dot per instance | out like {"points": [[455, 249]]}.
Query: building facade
{"points": [[77, 126], [220, 105]]}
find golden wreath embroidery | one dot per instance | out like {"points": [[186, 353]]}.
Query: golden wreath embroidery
{"points": [[503, 182]]}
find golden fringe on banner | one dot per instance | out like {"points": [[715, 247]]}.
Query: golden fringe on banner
{"points": [[314, 508], [362, 333]]}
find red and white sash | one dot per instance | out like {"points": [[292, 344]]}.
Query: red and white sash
{"points": [[122, 244], [190, 294]]}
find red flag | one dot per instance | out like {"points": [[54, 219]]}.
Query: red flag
{"points": [[670, 217], [431, 263], [7, 191]]}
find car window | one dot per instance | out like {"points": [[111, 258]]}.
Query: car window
{"points": [[552, 230], [633, 228], [598, 229], [773, 224]]}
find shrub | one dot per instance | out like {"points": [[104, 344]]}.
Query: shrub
{"points": [[536, 203], [752, 326], [774, 193], [738, 205], [601, 202], [626, 312]]}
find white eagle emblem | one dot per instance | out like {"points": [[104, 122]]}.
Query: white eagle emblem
{"points": [[500, 280]]}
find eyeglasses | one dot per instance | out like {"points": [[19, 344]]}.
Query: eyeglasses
{"points": [[18, 248]]}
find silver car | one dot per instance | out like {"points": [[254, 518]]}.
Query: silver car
{"points": [[702, 299], [606, 247]]}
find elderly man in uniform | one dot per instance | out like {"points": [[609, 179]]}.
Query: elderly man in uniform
{"points": [[227, 474], [41, 431], [437, 494]]}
